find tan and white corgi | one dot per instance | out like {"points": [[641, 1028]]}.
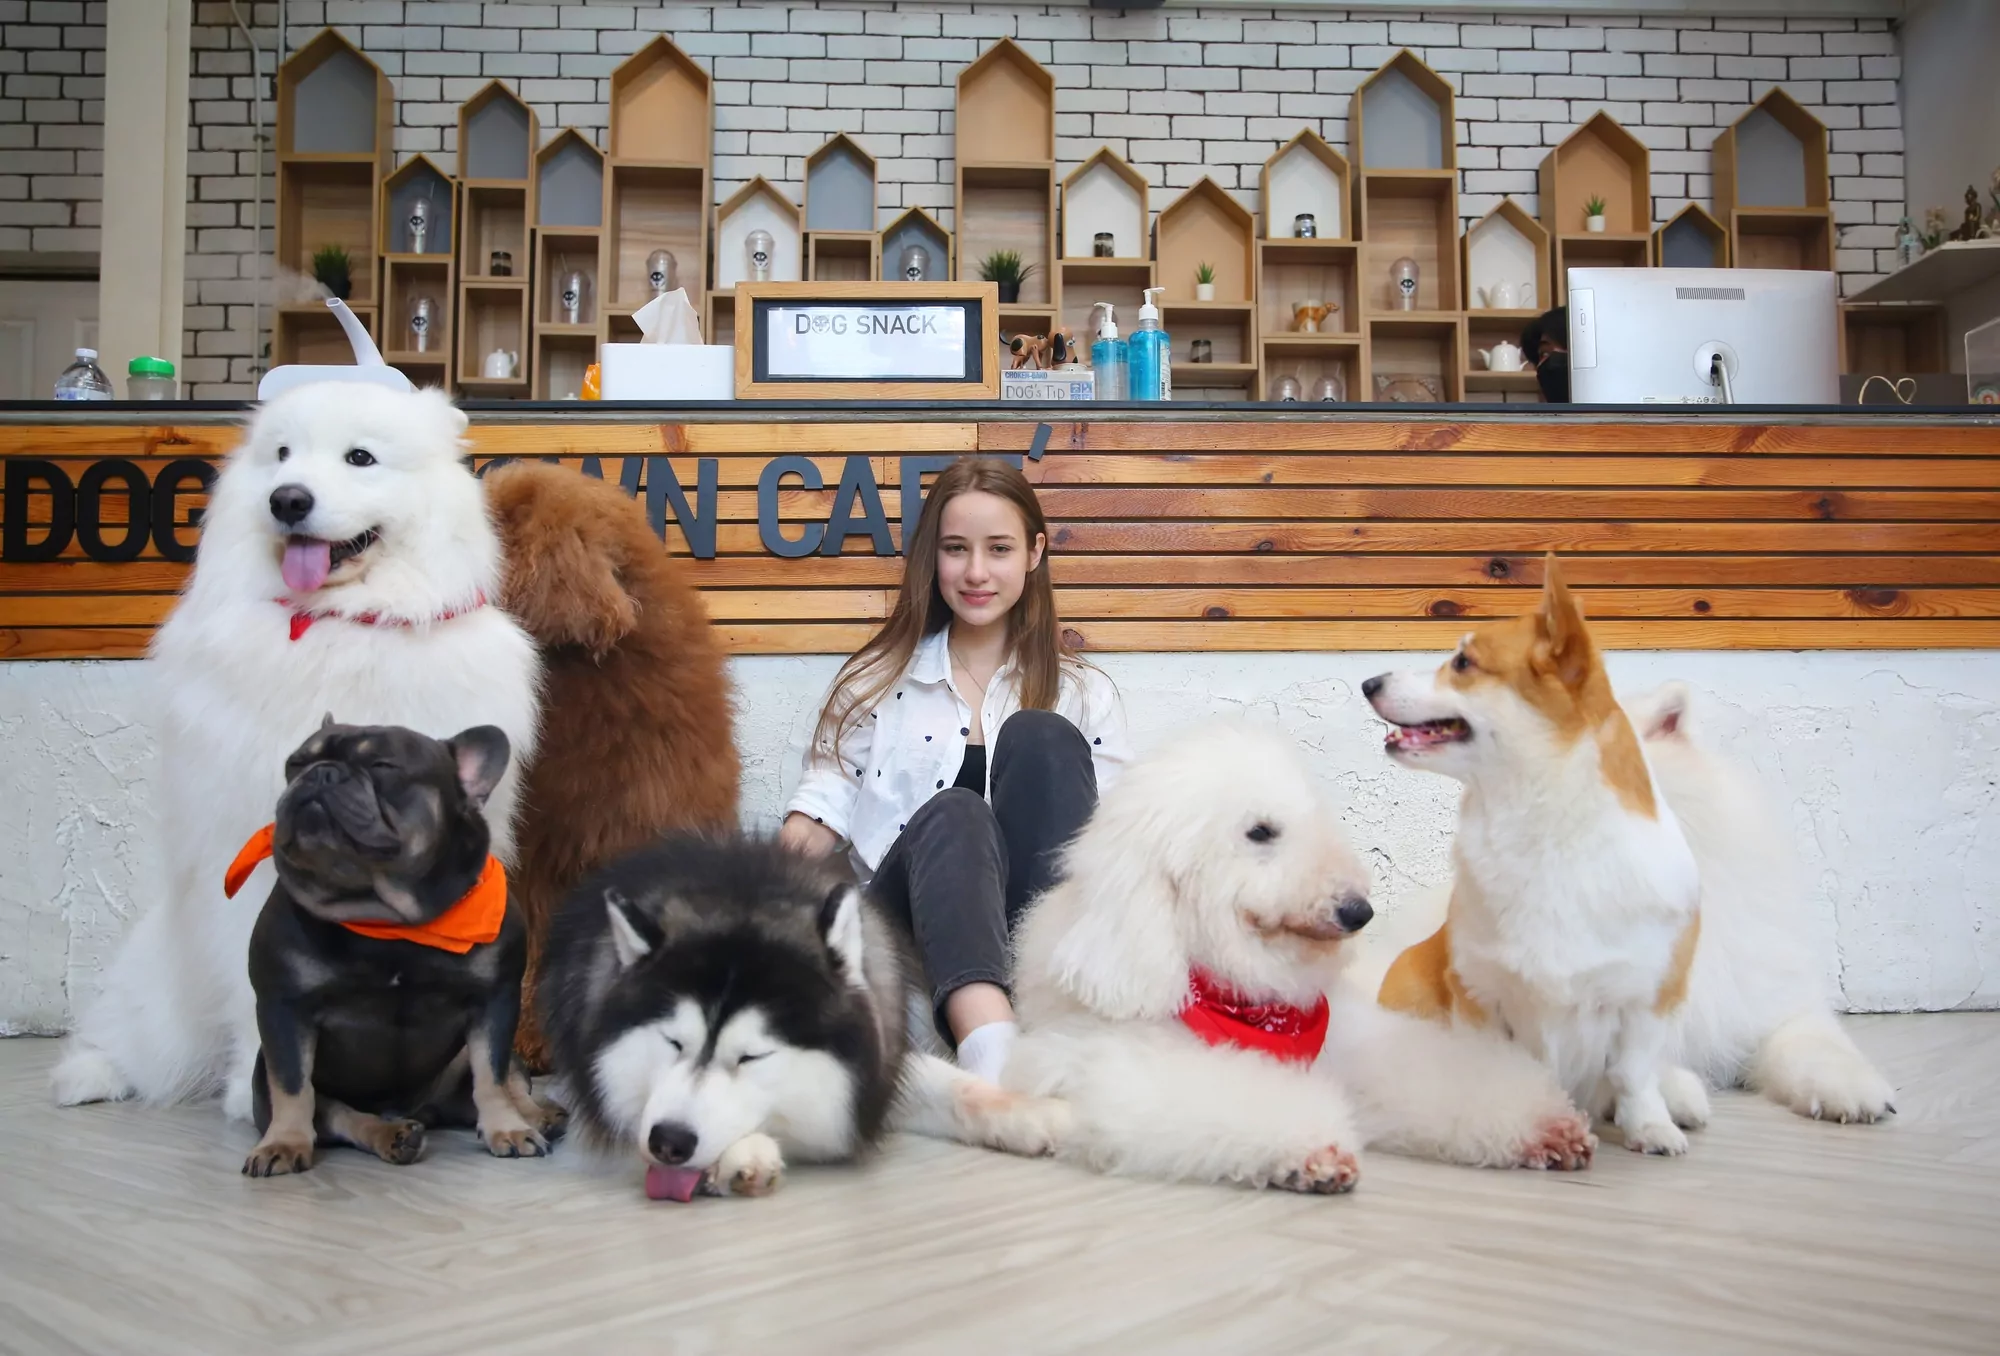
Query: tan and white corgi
{"points": [[1585, 919]]}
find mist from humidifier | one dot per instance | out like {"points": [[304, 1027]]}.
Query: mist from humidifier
{"points": [[1108, 355]]}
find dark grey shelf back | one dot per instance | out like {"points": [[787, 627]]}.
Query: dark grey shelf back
{"points": [[570, 191], [333, 108], [916, 231], [425, 183], [497, 142], [1686, 243], [1770, 163], [1401, 126], [840, 192]]}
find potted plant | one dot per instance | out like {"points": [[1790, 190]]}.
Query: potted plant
{"points": [[1593, 215], [1204, 282], [1005, 268], [333, 270]]}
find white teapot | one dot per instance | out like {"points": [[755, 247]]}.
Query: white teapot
{"points": [[1502, 357], [501, 364], [1505, 297]]}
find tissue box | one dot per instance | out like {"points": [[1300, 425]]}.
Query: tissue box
{"points": [[1063, 384], [668, 372]]}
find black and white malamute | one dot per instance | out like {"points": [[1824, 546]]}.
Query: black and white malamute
{"points": [[719, 1005]]}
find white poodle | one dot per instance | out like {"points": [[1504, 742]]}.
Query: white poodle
{"points": [[1210, 893]]}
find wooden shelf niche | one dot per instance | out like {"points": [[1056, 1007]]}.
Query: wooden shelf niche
{"points": [[916, 227], [1691, 238], [569, 235], [497, 138], [756, 206], [1206, 225], [1230, 327], [1308, 175], [1893, 340], [1599, 159], [409, 274], [1005, 196], [1404, 132], [1104, 194], [1506, 246], [841, 241], [335, 113], [1771, 186], [656, 182]]}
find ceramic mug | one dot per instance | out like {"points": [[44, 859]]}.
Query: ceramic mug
{"points": [[500, 364]]}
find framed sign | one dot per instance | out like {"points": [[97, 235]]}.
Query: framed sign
{"points": [[868, 341]]}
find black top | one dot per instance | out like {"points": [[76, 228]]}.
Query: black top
{"points": [[972, 772]]}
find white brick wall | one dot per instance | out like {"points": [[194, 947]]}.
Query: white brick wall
{"points": [[1179, 92]]}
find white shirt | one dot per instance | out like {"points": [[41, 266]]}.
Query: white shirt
{"points": [[910, 747]]}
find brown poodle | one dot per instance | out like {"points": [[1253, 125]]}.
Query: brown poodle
{"points": [[636, 735]]}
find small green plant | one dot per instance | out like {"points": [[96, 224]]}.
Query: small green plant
{"points": [[1593, 207], [1004, 266], [1204, 272], [333, 270]]}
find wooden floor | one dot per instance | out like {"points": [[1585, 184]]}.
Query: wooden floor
{"points": [[124, 1230]]}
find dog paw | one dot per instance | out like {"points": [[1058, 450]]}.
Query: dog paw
{"points": [[1013, 1122], [752, 1166], [1561, 1143], [548, 1118], [279, 1157], [1686, 1098], [1331, 1171], [402, 1142], [523, 1142], [1860, 1101], [1656, 1137]]}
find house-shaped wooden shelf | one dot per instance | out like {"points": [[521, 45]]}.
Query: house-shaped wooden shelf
{"points": [[1691, 238], [1402, 118], [1307, 177], [1205, 225], [842, 244], [1005, 196], [1104, 196], [1599, 160], [757, 206], [662, 108], [569, 216], [335, 113], [1006, 109], [1507, 248], [418, 341], [916, 227], [1771, 186], [1402, 122], [656, 194], [497, 136]]}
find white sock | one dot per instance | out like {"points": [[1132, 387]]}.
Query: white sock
{"points": [[983, 1053]]}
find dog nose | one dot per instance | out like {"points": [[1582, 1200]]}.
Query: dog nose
{"points": [[671, 1142], [290, 504], [1354, 914], [1374, 685]]}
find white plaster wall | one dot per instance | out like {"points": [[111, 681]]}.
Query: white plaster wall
{"points": [[1888, 762]]}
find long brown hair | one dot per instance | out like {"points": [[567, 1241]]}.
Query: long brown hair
{"points": [[1034, 634]]}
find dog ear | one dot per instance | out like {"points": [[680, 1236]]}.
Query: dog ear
{"points": [[1118, 949], [628, 939], [840, 924], [1562, 626], [1661, 713], [565, 556], [326, 722], [481, 753]]}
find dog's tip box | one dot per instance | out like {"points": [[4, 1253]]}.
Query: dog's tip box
{"points": [[668, 372], [1062, 384]]}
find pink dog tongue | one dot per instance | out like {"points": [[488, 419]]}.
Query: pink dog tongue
{"points": [[671, 1184], [307, 563]]}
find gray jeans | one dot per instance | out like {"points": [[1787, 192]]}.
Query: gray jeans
{"points": [[962, 871]]}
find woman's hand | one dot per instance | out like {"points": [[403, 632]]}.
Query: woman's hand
{"points": [[804, 834]]}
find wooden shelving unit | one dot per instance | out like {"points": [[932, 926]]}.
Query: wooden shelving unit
{"points": [[1599, 159], [916, 227], [841, 242], [1691, 238], [1005, 197], [1894, 340], [1206, 225], [1231, 330], [1506, 246], [569, 236], [497, 138], [409, 274], [1403, 123], [335, 113], [1104, 194], [1771, 186], [656, 182], [1308, 176], [758, 205]]}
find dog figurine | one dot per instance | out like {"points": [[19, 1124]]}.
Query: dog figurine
{"points": [[387, 961]]}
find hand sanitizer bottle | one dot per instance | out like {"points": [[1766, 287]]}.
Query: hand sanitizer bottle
{"points": [[1108, 355], [1151, 359]]}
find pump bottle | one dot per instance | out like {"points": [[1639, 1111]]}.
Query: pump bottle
{"points": [[1151, 359], [1108, 355]]}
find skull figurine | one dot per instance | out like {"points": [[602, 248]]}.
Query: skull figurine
{"points": [[916, 263], [423, 311], [574, 284], [758, 245], [660, 272], [419, 225]]}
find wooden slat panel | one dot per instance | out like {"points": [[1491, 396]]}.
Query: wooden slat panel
{"points": [[1484, 604], [1389, 469], [1699, 434], [1898, 538]]}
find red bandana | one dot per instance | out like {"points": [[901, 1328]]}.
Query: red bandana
{"points": [[1218, 1015], [474, 921], [302, 621]]}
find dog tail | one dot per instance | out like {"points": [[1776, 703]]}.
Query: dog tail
{"points": [[566, 540]]}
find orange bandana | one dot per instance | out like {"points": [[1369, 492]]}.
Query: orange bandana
{"points": [[473, 921]]}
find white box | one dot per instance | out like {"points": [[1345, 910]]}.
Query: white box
{"points": [[1078, 383], [668, 372]]}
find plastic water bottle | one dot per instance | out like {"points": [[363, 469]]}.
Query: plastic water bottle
{"points": [[83, 379]]}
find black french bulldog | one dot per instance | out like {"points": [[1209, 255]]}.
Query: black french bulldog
{"points": [[386, 968]]}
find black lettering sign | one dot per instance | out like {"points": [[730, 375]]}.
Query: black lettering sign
{"points": [[174, 477], [768, 530], [28, 476], [857, 483]]}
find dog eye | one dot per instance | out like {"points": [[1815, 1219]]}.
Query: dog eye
{"points": [[679, 1049], [284, 453], [741, 1060], [1460, 662], [1261, 833], [360, 457]]}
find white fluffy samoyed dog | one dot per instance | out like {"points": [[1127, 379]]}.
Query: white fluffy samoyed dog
{"points": [[346, 566]]}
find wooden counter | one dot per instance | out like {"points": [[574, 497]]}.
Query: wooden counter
{"points": [[1244, 530]]}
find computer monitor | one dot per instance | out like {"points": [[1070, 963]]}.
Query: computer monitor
{"points": [[1695, 336]]}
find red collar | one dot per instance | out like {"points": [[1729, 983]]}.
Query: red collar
{"points": [[302, 620], [1218, 1015]]}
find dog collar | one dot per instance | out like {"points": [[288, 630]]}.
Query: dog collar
{"points": [[474, 921], [302, 620], [1220, 1016]]}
